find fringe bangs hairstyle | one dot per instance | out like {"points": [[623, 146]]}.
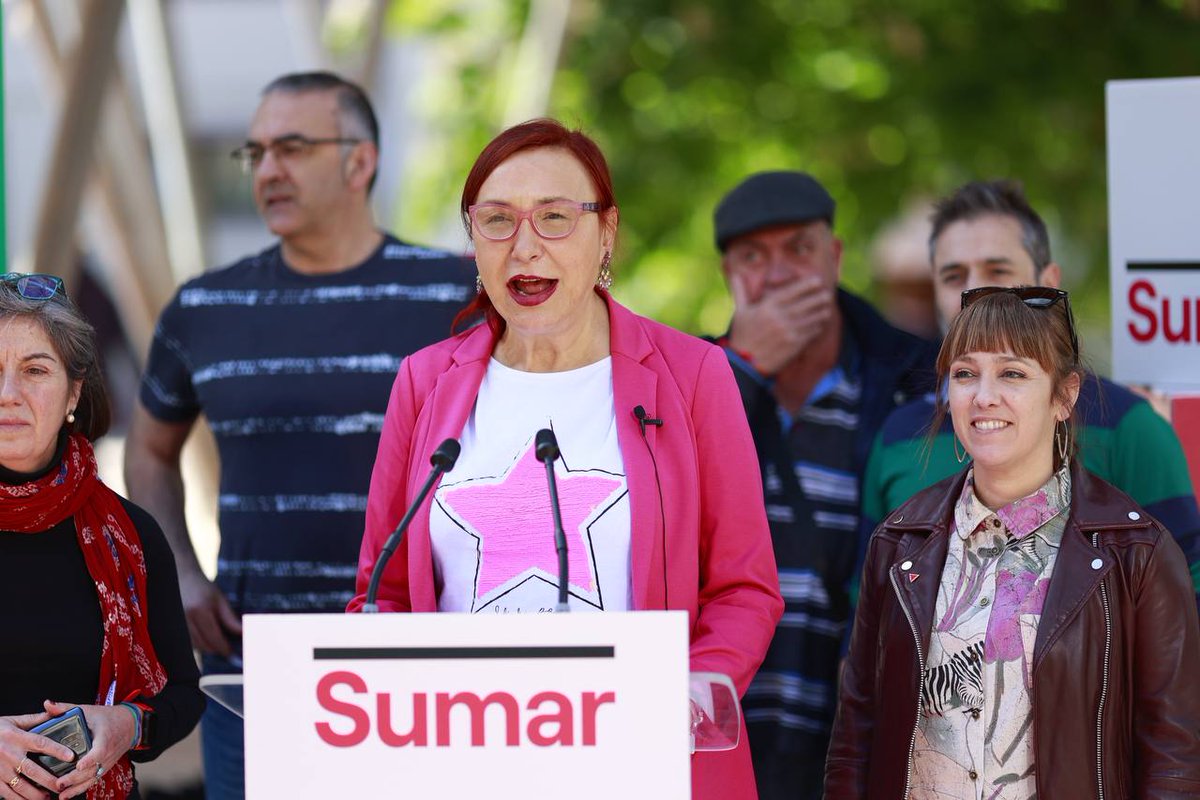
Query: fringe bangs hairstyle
{"points": [[1003, 323]]}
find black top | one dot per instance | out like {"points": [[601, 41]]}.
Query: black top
{"points": [[52, 630]]}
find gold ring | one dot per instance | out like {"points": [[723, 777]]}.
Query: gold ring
{"points": [[15, 780], [21, 766]]}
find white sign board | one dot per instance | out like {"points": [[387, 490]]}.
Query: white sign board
{"points": [[1154, 231], [467, 705]]}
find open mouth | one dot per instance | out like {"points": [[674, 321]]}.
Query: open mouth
{"points": [[990, 424], [530, 290]]}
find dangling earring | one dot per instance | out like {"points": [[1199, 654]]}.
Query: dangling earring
{"points": [[70, 417], [604, 279], [1063, 441], [960, 456], [478, 285]]}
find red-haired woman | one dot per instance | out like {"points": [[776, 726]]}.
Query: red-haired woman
{"points": [[657, 460]]}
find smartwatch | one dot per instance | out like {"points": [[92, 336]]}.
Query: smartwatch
{"points": [[147, 724]]}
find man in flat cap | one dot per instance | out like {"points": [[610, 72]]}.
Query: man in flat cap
{"points": [[819, 370]]}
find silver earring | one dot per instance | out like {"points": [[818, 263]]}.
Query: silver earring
{"points": [[960, 456], [478, 285], [604, 279], [1063, 441], [70, 417]]}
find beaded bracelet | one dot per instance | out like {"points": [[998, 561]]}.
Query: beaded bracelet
{"points": [[137, 721]]}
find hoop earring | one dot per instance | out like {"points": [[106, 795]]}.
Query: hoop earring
{"points": [[1062, 441], [605, 278], [961, 457]]}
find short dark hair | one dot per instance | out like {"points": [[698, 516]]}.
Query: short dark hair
{"points": [[1003, 197], [353, 102], [74, 339]]}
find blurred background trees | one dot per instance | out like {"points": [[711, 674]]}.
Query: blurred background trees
{"points": [[884, 102]]}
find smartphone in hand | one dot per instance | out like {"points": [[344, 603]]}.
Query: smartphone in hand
{"points": [[70, 729]]}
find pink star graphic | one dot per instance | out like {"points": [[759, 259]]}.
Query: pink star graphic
{"points": [[511, 516]]}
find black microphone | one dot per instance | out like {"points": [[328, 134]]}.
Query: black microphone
{"points": [[546, 450], [443, 461], [645, 419]]}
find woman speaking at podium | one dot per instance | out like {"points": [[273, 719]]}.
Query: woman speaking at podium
{"points": [[660, 491]]}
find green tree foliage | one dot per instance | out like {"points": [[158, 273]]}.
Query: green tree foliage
{"points": [[881, 101]]}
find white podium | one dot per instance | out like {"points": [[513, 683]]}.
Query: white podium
{"points": [[467, 705]]}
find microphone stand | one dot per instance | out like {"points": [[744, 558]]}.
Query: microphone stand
{"points": [[546, 451], [443, 461]]}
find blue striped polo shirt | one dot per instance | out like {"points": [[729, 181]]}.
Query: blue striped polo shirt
{"points": [[293, 373]]}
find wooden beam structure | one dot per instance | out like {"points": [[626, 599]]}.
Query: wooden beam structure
{"points": [[168, 141], [121, 212], [373, 51], [536, 61], [124, 225], [304, 20], [87, 73]]}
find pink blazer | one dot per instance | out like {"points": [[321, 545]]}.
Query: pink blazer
{"points": [[720, 565]]}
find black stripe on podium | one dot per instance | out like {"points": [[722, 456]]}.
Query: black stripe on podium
{"points": [[329, 653], [1151, 266]]}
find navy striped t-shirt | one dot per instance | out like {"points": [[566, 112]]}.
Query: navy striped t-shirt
{"points": [[810, 489], [293, 373]]}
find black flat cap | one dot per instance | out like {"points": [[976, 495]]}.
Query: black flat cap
{"points": [[770, 198]]}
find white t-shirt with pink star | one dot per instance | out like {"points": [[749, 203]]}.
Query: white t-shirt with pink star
{"points": [[490, 521]]}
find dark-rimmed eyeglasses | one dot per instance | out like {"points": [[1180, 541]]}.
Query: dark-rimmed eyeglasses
{"points": [[555, 220], [34, 286], [1040, 297], [292, 146]]}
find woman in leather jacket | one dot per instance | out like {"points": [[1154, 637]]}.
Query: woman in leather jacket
{"points": [[1024, 628]]}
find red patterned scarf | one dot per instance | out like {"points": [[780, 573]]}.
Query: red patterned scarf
{"points": [[113, 553]]}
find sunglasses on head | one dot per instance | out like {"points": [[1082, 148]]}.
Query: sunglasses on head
{"points": [[34, 286], [1039, 297]]}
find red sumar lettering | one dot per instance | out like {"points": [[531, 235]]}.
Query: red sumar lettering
{"points": [[549, 717], [1178, 320]]}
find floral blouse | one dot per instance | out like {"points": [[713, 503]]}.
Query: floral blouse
{"points": [[975, 737]]}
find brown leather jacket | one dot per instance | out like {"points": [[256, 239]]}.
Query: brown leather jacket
{"points": [[1116, 664]]}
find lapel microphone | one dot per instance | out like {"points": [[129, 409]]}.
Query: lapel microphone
{"points": [[644, 419]]}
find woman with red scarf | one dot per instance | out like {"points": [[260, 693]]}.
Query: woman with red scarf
{"points": [[91, 609]]}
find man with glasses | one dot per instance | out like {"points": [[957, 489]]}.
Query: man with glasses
{"points": [[986, 234], [818, 371], [290, 355]]}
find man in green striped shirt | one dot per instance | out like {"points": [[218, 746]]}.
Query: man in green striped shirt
{"points": [[986, 234]]}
